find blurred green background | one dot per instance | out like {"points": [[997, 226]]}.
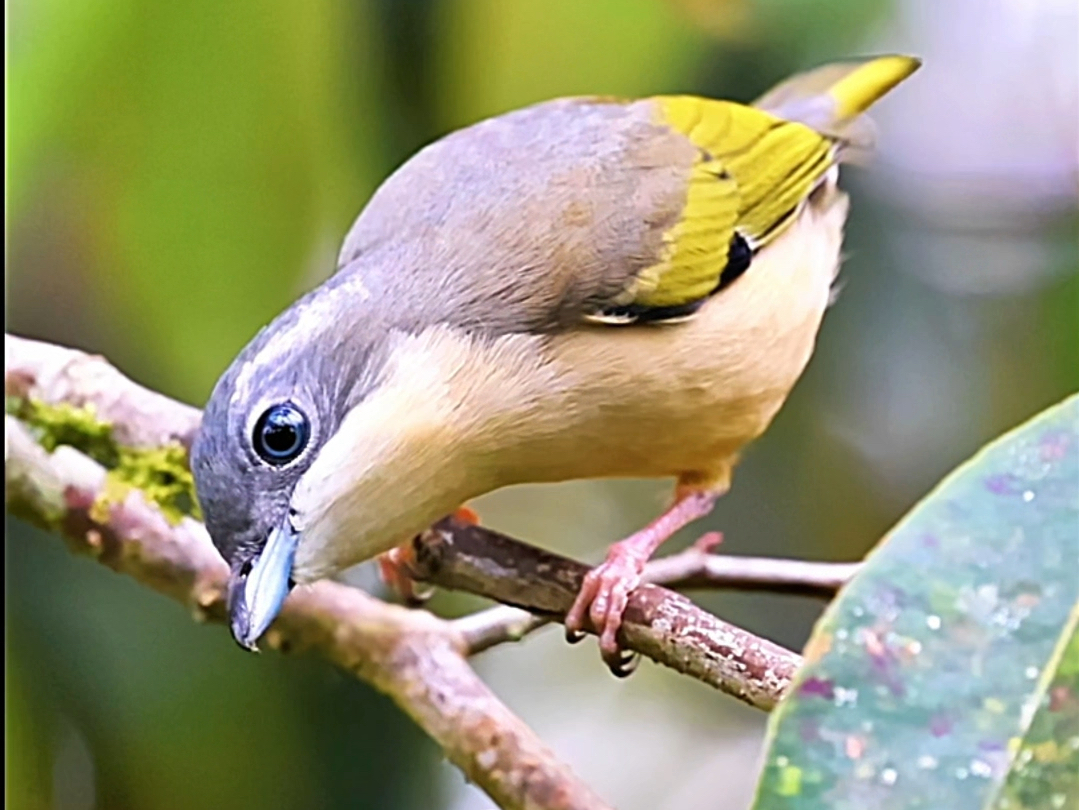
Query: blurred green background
{"points": [[179, 172]]}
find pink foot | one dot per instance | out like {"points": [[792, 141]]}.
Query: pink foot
{"points": [[606, 588], [394, 565], [603, 598]]}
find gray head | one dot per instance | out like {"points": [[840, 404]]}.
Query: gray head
{"points": [[269, 414]]}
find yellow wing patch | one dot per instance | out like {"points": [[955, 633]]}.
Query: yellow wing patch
{"points": [[753, 171], [696, 247]]}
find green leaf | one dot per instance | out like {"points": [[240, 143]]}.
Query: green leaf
{"points": [[946, 674], [1047, 772]]}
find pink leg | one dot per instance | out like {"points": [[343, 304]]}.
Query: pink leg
{"points": [[606, 588]]}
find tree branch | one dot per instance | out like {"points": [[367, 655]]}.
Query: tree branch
{"points": [[658, 623], [414, 657], [694, 568]]}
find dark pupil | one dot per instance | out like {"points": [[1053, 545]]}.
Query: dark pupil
{"points": [[281, 433], [280, 438]]}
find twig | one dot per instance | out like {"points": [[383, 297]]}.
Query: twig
{"points": [[658, 623], [696, 568], [497, 625]]}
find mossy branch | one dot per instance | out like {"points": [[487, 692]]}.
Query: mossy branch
{"points": [[414, 657]]}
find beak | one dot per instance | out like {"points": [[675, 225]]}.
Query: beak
{"points": [[255, 597]]}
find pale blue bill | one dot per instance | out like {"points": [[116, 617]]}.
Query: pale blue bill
{"points": [[269, 581]]}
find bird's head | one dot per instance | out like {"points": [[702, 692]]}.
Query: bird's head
{"points": [[270, 415]]}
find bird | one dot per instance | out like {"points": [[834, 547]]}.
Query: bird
{"points": [[584, 288]]}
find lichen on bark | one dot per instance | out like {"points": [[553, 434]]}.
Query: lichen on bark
{"points": [[160, 473]]}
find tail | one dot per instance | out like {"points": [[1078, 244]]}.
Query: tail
{"points": [[832, 98]]}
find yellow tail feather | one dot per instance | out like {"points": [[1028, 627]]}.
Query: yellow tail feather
{"points": [[830, 98]]}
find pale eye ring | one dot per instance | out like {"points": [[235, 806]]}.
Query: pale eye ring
{"points": [[281, 433]]}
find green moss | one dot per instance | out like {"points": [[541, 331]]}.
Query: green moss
{"points": [[160, 473], [75, 426]]}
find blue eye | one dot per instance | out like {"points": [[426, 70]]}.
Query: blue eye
{"points": [[281, 433]]}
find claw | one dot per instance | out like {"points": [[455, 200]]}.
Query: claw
{"points": [[576, 615], [606, 589], [575, 636], [394, 570], [418, 595], [603, 598], [623, 664]]}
